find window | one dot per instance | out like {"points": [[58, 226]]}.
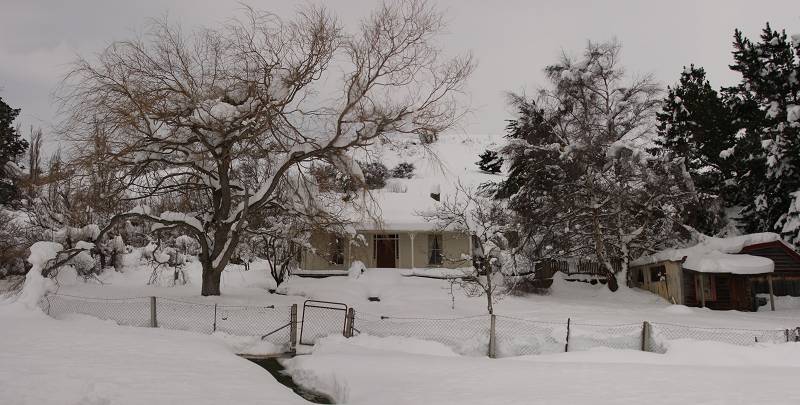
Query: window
{"points": [[435, 249], [658, 273], [639, 276], [337, 250], [709, 287]]}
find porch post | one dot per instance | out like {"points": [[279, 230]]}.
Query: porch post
{"points": [[702, 290], [411, 236], [771, 295]]}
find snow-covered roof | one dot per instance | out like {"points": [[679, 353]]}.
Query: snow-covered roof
{"points": [[437, 169], [718, 255], [717, 262]]}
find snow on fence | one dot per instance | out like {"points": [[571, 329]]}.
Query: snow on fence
{"points": [[496, 335], [275, 324], [517, 337]]}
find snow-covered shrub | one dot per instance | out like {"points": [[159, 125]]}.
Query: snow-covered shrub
{"points": [[375, 174], [357, 268], [329, 178], [395, 186], [404, 170], [187, 245], [83, 263], [490, 162], [14, 240]]}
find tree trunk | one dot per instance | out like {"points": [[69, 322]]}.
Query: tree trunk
{"points": [[211, 280]]}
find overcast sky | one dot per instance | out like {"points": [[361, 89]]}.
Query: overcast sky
{"points": [[512, 40]]}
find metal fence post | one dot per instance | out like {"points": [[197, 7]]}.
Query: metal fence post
{"points": [[566, 345], [214, 326], [153, 319], [645, 335], [293, 328], [348, 325], [492, 336]]}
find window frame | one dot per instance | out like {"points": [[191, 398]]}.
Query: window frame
{"points": [[438, 259]]}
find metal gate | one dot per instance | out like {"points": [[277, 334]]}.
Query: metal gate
{"points": [[324, 318]]}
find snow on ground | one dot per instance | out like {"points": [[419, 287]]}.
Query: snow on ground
{"points": [[89, 362], [372, 370], [427, 297]]}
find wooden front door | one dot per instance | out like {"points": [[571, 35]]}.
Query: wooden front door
{"points": [[385, 251]]}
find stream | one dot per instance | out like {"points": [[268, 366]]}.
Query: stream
{"points": [[274, 367]]}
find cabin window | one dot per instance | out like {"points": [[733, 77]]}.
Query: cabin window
{"points": [[708, 289], [337, 250], [639, 276], [658, 273], [435, 249]]}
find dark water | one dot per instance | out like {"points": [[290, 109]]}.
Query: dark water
{"points": [[279, 372]]}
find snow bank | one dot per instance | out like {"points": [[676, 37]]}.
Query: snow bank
{"points": [[704, 373], [36, 286], [91, 362], [365, 343]]}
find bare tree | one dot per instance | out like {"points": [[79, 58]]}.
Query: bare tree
{"points": [[183, 110], [486, 221]]}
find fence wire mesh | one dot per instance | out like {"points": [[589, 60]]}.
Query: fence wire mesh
{"points": [[124, 311], [322, 319], [465, 335], [271, 323], [662, 333], [519, 337], [584, 336]]}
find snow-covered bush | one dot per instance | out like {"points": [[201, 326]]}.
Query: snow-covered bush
{"points": [[490, 162], [187, 245], [375, 174], [403, 170], [14, 241]]}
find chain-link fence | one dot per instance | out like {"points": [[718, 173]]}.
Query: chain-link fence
{"points": [[659, 334], [272, 323], [519, 337], [464, 335], [124, 311], [501, 336]]}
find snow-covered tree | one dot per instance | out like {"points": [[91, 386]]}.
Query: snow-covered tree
{"points": [[580, 181], [486, 221], [770, 90], [187, 110], [696, 123], [490, 162], [12, 146]]}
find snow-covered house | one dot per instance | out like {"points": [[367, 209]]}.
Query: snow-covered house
{"points": [[392, 232], [717, 273]]}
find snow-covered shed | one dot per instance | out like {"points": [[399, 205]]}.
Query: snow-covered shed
{"points": [[391, 231], [718, 273]]}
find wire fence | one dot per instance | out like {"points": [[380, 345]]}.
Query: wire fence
{"points": [[270, 323], [496, 335], [519, 337]]}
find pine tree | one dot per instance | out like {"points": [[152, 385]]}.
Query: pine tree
{"points": [[490, 162], [11, 147], [696, 124], [767, 96]]}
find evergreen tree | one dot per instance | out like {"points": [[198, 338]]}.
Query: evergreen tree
{"points": [[490, 162], [766, 98], [11, 147], [697, 124]]}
